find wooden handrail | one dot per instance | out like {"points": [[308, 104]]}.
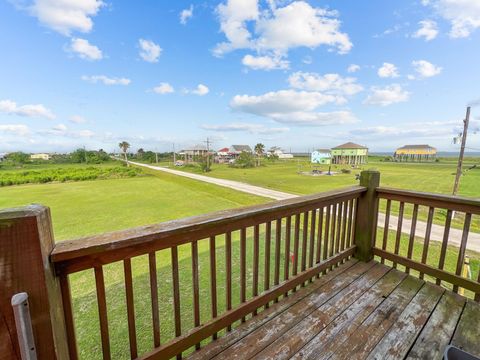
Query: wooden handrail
{"points": [[456, 203], [84, 253]]}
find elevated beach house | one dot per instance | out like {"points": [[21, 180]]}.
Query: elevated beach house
{"points": [[349, 153]]}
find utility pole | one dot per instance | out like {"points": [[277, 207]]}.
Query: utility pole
{"points": [[174, 157], [208, 142], [156, 155], [462, 151]]}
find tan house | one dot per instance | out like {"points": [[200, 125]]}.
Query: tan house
{"points": [[41, 156]]}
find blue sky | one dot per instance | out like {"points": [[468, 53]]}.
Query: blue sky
{"points": [[295, 74]]}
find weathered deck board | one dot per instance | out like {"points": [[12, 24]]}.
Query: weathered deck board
{"points": [[357, 311], [467, 334], [401, 336], [438, 331]]}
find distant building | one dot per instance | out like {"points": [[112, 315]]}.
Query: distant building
{"points": [[194, 152], [350, 154], [321, 156], [40, 156], [276, 151], [3, 156], [223, 155], [415, 153], [236, 150]]}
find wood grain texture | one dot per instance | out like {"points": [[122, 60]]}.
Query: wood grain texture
{"points": [[132, 333], [152, 266], [468, 332], [102, 312]]}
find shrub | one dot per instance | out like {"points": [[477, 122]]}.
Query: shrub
{"points": [[245, 160]]}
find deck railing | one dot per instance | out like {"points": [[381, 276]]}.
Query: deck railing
{"points": [[206, 274], [401, 242]]}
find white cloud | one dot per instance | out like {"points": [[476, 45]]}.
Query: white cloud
{"points": [[85, 50], [149, 51], [426, 69], [163, 88], [15, 129], [428, 30], [463, 15], [328, 83], [32, 110], [84, 133], [77, 119], [200, 90], [264, 62], [60, 127], [106, 80], [292, 107], [246, 127], [388, 71], [387, 95], [420, 130], [66, 16], [278, 29], [186, 14], [353, 68]]}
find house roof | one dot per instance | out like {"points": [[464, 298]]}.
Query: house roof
{"points": [[323, 150], [416, 147], [196, 148], [350, 145], [241, 148], [223, 150]]}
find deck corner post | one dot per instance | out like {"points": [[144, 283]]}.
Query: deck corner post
{"points": [[367, 214], [26, 241]]}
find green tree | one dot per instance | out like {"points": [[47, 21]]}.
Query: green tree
{"points": [[124, 146], [244, 160], [259, 152], [140, 153]]}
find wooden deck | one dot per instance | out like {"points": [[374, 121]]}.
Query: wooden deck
{"points": [[357, 311]]}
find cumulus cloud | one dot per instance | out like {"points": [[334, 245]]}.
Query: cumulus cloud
{"points": [[387, 95], [106, 80], [293, 107], [30, 110], [353, 68], [388, 70], [328, 83], [428, 30], [163, 88], [463, 15], [15, 129], [246, 127], [186, 14], [200, 90], [66, 16], [77, 119], [265, 62], [278, 29], [419, 130], [426, 69], [83, 49], [149, 51]]}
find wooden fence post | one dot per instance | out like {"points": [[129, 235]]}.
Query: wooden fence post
{"points": [[367, 214], [26, 241]]}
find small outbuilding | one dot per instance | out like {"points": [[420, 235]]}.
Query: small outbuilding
{"points": [[349, 154], [416, 153]]}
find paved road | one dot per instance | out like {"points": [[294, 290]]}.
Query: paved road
{"points": [[455, 237]]}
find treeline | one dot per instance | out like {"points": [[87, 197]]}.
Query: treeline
{"points": [[75, 157], [64, 174], [150, 156]]}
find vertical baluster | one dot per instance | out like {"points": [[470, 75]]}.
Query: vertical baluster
{"points": [[412, 235], [332, 231], [288, 232], [256, 235], [326, 237], [102, 312], [266, 271], [443, 250], [463, 246], [278, 238], [350, 222], [428, 231], [319, 236], [477, 295], [196, 287], [213, 279], [386, 227], [304, 242], [152, 264], [399, 231], [68, 314], [344, 226], [313, 228], [296, 242], [354, 220], [228, 272], [132, 334], [339, 227], [243, 264], [176, 294]]}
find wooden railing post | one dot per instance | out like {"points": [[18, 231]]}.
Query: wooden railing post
{"points": [[366, 217], [26, 241]]}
